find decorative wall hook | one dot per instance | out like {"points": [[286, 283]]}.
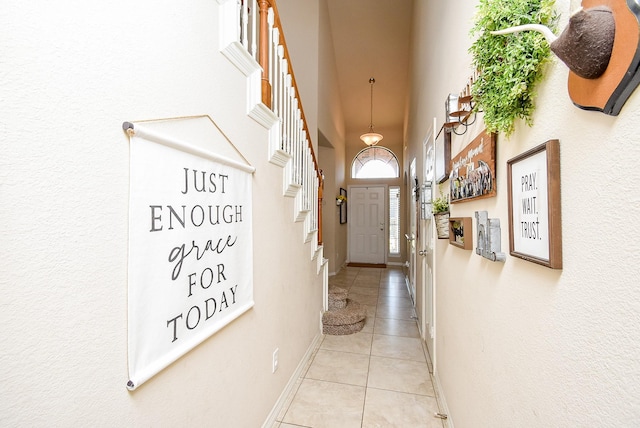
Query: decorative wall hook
{"points": [[460, 109], [600, 45], [488, 231]]}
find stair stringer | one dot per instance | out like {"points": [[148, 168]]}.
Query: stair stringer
{"points": [[291, 189], [277, 156], [301, 213], [315, 248]]}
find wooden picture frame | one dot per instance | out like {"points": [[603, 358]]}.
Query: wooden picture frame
{"points": [[535, 228], [443, 156], [461, 232], [343, 207]]}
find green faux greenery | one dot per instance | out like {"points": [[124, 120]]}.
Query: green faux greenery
{"points": [[441, 203], [510, 65]]}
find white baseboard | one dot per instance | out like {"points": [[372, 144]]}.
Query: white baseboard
{"points": [[293, 382], [339, 269], [442, 402]]}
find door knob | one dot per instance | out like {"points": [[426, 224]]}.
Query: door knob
{"points": [[423, 252]]}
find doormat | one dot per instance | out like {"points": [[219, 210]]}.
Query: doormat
{"points": [[367, 265]]}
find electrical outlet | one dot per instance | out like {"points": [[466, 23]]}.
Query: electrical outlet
{"points": [[274, 366]]}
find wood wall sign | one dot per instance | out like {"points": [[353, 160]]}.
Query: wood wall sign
{"points": [[473, 170], [535, 229]]}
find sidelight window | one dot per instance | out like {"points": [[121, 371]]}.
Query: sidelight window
{"points": [[394, 220]]}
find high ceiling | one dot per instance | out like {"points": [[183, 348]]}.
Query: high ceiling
{"points": [[371, 39]]}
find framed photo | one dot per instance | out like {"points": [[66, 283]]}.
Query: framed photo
{"points": [[460, 232], [343, 207], [473, 170], [425, 202], [535, 229], [443, 156], [429, 164]]}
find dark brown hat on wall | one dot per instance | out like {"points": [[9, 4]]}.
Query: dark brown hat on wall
{"points": [[601, 47], [586, 43], [609, 91]]}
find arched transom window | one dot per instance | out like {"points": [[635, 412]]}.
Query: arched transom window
{"points": [[375, 162]]}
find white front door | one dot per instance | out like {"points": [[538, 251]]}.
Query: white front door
{"points": [[367, 225]]}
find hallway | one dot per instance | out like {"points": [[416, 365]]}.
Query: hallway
{"points": [[378, 377]]}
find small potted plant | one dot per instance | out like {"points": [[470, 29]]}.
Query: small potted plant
{"points": [[440, 207], [340, 199]]}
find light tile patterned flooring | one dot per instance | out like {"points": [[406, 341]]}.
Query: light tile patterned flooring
{"points": [[378, 377]]}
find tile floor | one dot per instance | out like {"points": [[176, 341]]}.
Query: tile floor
{"points": [[378, 377]]}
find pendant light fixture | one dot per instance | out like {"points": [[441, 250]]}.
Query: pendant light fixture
{"points": [[371, 138]]}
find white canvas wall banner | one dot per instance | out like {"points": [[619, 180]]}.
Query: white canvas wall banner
{"points": [[190, 248]]}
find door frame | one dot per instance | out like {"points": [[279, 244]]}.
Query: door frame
{"points": [[427, 244], [412, 235], [385, 214]]}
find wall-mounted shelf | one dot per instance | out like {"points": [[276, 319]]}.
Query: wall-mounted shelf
{"points": [[461, 232], [459, 109]]}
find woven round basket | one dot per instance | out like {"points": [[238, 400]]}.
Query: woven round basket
{"points": [[347, 320], [342, 330], [337, 298]]}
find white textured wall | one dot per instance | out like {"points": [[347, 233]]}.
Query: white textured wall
{"points": [[521, 345], [330, 118], [300, 23], [308, 32], [70, 73], [330, 212], [331, 124]]}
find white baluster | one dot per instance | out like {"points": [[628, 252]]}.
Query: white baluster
{"points": [[254, 29], [245, 26]]}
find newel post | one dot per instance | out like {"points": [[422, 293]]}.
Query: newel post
{"points": [[263, 56]]}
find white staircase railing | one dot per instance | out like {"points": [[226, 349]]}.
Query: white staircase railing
{"points": [[251, 34]]}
